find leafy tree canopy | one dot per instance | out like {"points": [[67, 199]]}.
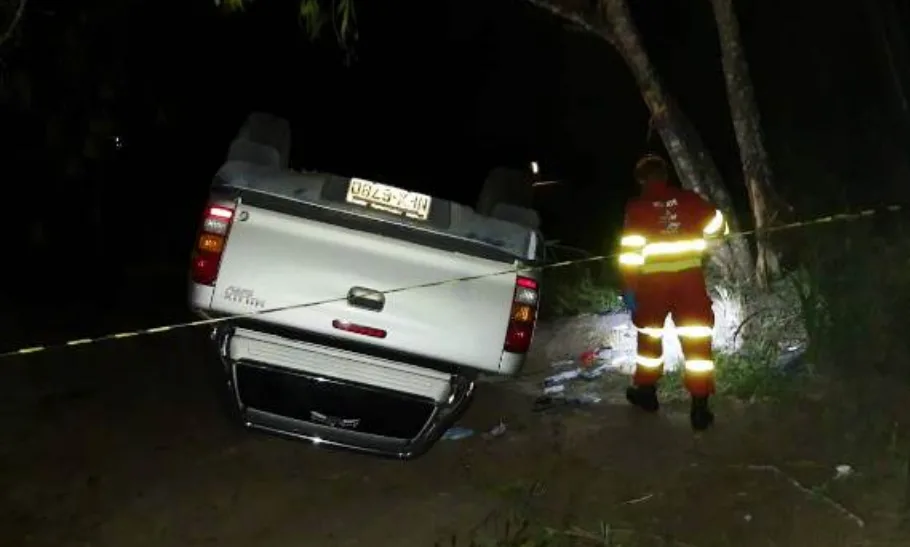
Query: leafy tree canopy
{"points": [[314, 15]]}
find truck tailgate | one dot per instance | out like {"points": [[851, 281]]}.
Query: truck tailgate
{"points": [[273, 260]]}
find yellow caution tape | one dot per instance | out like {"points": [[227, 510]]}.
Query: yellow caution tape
{"points": [[203, 322]]}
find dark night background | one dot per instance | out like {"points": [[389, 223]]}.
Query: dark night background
{"points": [[439, 93]]}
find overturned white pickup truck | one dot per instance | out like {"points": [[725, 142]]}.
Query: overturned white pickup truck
{"points": [[360, 313]]}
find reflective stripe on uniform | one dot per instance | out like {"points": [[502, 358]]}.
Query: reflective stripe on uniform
{"points": [[631, 259], [648, 362], [715, 225], [699, 366], [672, 266], [695, 331], [644, 254], [691, 331], [670, 248], [634, 241], [688, 252]]}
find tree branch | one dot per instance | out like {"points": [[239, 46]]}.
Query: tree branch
{"points": [[14, 23], [575, 19]]}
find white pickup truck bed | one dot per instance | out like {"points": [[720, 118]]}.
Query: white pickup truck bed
{"points": [[354, 326], [304, 254]]}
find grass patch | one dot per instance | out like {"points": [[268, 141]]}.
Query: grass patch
{"points": [[517, 530], [750, 374], [578, 290]]}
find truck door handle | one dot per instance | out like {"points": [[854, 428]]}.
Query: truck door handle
{"points": [[368, 299]]}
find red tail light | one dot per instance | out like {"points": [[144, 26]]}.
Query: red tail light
{"points": [[358, 329], [216, 224], [523, 316]]}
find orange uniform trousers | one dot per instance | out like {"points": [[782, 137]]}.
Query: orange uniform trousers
{"points": [[684, 296]]}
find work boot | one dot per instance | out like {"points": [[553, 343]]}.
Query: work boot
{"points": [[700, 415], [644, 397]]}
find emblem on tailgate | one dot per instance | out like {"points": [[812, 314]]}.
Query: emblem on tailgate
{"points": [[245, 297], [343, 423]]}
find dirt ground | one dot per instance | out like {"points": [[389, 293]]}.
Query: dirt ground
{"points": [[122, 444]]}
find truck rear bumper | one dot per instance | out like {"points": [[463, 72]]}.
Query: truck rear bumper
{"points": [[337, 412]]}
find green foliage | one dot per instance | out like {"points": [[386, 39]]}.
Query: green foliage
{"points": [[845, 301], [577, 290], [753, 373], [314, 15], [855, 293], [518, 530], [748, 374], [813, 311], [773, 323]]}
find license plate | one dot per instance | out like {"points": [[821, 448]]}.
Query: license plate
{"points": [[389, 199]]}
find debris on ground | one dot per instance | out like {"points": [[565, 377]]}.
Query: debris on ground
{"points": [[842, 471], [568, 339], [586, 399], [639, 499], [557, 379], [595, 356], [587, 358], [553, 390], [574, 387], [457, 433], [792, 358], [498, 430]]}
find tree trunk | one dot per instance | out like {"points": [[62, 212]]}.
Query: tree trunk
{"points": [[886, 24], [690, 157], [747, 127], [887, 28]]}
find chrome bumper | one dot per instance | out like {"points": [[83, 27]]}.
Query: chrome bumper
{"points": [[441, 416]]}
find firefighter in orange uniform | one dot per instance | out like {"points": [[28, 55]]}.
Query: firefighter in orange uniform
{"points": [[666, 232]]}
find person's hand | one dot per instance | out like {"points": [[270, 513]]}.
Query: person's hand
{"points": [[628, 300]]}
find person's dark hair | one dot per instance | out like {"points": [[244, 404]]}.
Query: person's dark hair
{"points": [[651, 168]]}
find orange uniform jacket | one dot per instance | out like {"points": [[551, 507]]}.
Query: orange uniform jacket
{"points": [[666, 230]]}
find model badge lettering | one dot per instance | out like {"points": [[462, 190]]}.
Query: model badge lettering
{"points": [[344, 423], [242, 296]]}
